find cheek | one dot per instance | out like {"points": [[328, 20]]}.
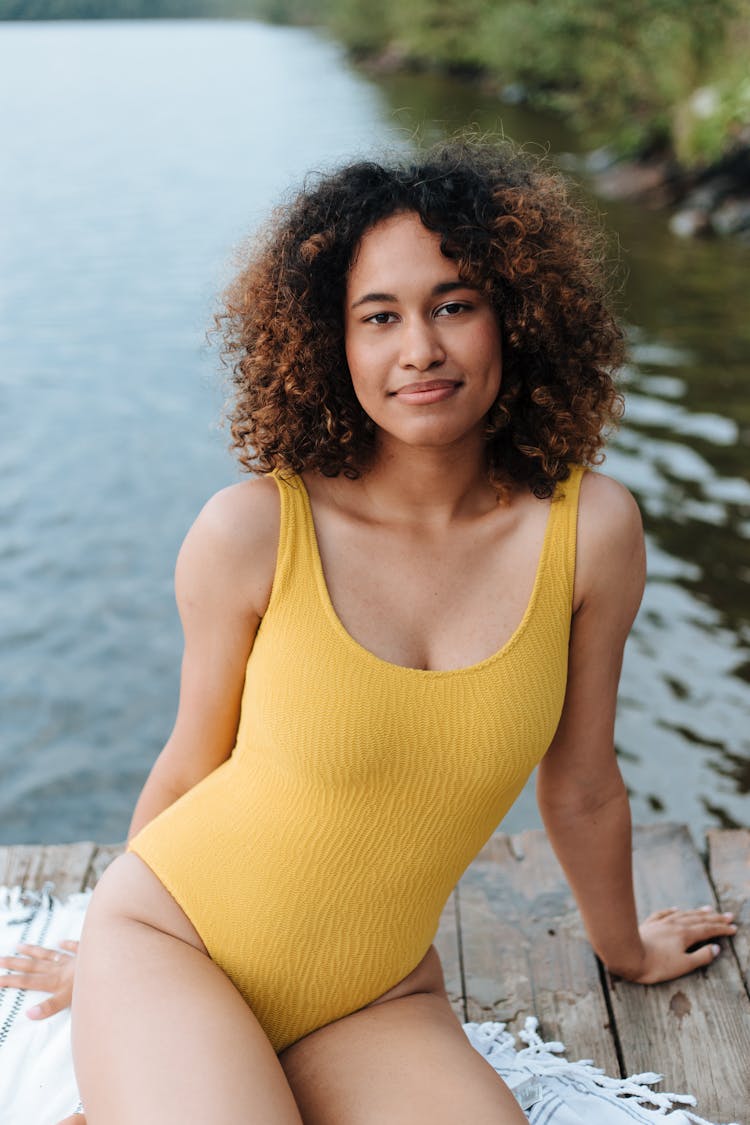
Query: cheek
{"points": [[489, 349], [366, 359]]}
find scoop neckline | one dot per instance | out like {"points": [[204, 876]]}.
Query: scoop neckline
{"points": [[425, 673]]}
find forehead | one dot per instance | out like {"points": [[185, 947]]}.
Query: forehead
{"points": [[399, 245]]}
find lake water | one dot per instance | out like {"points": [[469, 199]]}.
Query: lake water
{"points": [[136, 156]]}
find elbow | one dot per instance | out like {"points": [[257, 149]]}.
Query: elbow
{"points": [[574, 799]]}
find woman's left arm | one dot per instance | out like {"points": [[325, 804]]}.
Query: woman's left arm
{"points": [[581, 794]]}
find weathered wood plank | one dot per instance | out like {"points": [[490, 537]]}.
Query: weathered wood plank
{"points": [[447, 945], [524, 948], [33, 865], [729, 867], [696, 1030], [103, 856]]}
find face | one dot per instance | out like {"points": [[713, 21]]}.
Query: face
{"points": [[423, 347]]}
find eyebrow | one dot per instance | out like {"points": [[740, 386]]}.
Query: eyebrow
{"points": [[437, 291]]}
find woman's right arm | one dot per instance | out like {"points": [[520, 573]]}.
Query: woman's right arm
{"points": [[223, 581]]}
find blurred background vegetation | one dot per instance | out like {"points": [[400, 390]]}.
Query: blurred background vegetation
{"points": [[642, 76]]}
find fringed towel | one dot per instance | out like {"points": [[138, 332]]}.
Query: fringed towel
{"points": [[37, 1084]]}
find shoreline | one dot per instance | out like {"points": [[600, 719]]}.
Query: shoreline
{"points": [[705, 199]]}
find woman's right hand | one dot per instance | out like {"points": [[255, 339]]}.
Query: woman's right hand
{"points": [[43, 970]]}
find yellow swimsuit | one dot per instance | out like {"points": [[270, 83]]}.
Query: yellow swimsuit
{"points": [[315, 862]]}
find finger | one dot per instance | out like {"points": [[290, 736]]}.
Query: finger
{"points": [[40, 952], [25, 965], [21, 980], [715, 910], [71, 946], [76, 1119], [701, 932], [706, 955], [47, 1008], [698, 919], [700, 914]]}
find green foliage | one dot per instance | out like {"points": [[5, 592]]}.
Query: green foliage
{"points": [[440, 32], [626, 71], [287, 11], [364, 29], [621, 67]]}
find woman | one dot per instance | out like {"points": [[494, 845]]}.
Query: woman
{"points": [[421, 597]]}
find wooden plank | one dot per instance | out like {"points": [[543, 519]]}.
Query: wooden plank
{"points": [[446, 943], [103, 856], [695, 1030], [33, 865], [729, 867], [524, 948]]}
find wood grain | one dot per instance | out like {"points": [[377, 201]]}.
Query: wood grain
{"points": [[695, 1030], [103, 856], [729, 867], [33, 865], [524, 948]]}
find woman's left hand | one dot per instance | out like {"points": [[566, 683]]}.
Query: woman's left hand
{"points": [[667, 936], [43, 970]]}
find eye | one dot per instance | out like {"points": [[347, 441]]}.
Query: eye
{"points": [[380, 318], [453, 308]]}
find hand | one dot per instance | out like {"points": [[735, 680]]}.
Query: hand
{"points": [[667, 936], [45, 970]]}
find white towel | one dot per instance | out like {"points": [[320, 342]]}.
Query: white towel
{"points": [[37, 1084]]}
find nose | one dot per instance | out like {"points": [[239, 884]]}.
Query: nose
{"points": [[420, 347]]}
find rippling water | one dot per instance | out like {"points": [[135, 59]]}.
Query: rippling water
{"points": [[140, 153]]}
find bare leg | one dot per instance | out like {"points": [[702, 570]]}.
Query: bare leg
{"points": [[160, 1034], [401, 1061]]}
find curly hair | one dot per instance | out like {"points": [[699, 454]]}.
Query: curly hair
{"points": [[515, 234]]}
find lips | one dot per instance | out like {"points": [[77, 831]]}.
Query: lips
{"points": [[428, 385]]}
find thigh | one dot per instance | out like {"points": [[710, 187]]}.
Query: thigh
{"points": [[405, 1061], [160, 1034]]}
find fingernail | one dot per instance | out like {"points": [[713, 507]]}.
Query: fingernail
{"points": [[729, 916], [716, 950], [705, 908], [34, 1012]]}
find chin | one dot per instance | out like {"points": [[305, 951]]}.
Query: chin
{"points": [[429, 437]]}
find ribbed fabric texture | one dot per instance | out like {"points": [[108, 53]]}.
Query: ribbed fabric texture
{"points": [[316, 861]]}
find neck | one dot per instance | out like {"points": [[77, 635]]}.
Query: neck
{"points": [[427, 485]]}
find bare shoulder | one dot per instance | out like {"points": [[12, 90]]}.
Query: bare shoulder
{"points": [[233, 543], [242, 515], [607, 508], [611, 552]]}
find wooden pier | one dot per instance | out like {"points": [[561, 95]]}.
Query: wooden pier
{"points": [[512, 945]]}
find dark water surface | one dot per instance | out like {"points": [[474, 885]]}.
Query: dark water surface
{"points": [[138, 155]]}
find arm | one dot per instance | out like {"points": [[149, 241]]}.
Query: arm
{"points": [[581, 793], [223, 582]]}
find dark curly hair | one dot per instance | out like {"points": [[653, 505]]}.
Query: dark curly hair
{"points": [[510, 225]]}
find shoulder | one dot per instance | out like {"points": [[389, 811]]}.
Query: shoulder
{"points": [[241, 515], [234, 541], [607, 508], [610, 556]]}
